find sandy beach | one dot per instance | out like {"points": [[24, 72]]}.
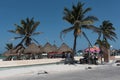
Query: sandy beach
{"points": [[26, 68], [42, 69], [62, 72]]}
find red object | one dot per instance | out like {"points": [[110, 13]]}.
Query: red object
{"points": [[54, 53]]}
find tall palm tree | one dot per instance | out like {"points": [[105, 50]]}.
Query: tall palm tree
{"points": [[76, 17], [105, 33], [26, 30]]}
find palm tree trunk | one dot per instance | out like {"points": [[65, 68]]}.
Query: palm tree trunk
{"points": [[87, 39], [20, 42], [88, 46], [74, 46], [101, 55]]}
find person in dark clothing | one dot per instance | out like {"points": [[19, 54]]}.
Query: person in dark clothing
{"points": [[63, 55]]}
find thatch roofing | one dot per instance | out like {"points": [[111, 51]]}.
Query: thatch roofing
{"points": [[15, 51], [47, 47], [6, 53], [10, 52], [33, 48], [54, 48], [64, 48]]}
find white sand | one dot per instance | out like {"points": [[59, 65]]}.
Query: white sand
{"points": [[31, 70], [29, 62], [50, 69]]}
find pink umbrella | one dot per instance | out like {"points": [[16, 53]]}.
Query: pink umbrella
{"points": [[93, 49]]}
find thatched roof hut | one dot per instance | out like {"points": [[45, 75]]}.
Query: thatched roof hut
{"points": [[64, 48], [47, 47], [33, 48]]}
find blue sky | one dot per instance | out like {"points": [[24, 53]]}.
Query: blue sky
{"points": [[50, 13]]}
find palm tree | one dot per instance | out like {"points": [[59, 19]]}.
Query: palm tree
{"points": [[9, 46], [76, 17], [26, 30], [105, 33]]}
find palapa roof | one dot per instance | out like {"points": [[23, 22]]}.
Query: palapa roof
{"points": [[10, 52], [33, 48], [64, 48], [54, 48], [47, 48], [15, 51]]}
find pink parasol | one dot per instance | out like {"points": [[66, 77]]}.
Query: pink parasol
{"points": [[94, 49]]}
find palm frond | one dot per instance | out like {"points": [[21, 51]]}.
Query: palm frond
{"points": [[15, 38], [23, 23], [19, 30], [66, 11], [97, 42], [35, 41], [87, 10], [87, 22], [27, 20], [12, 31], [36, 33], [9, 46], [66, 31], [68, 16], [91, 27], [18, 37], [90, 18], [34, 27]]}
